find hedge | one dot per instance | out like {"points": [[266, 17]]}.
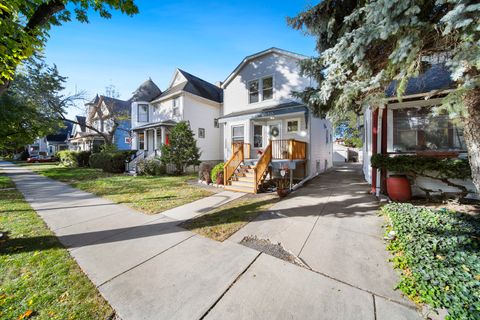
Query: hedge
{"points": [[151, 167], [74, 159], [438, 252], [113, 162]]}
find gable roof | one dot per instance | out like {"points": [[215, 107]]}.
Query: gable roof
{"points": [[147, 91], [62, 134], [196, 86], [257, 55], [82, 122], [437, 77]]}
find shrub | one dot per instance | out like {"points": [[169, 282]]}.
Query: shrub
{"points": [[68, 158], [439, 254], [217, 171], [73, 159], [353, 142], [152, 167], [83, 158], [113, 162]]}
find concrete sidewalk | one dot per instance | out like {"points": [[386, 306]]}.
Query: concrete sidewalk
{"points": [[149, 268]]}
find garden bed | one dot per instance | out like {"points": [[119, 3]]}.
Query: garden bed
{"points": [[438, 253]]}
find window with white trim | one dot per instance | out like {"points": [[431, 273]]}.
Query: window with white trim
{"points": [[238, 134], [142, 114], [293, 125], [176, 107], [267, 88], [253, 91], [201, 133], [257, 136]]}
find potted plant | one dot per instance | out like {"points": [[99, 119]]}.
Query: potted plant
{"points": [[282, 187], [217, 173], [398, 188]]}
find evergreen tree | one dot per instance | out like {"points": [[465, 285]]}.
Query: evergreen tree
{"points": [[364, 45], [182, 150]]}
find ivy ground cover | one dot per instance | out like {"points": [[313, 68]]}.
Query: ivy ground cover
{"points": [[438, 254]]}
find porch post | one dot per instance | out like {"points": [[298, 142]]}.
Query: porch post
{"points": [[164, 136], [145, 140], [374, 148], [155, 139]]}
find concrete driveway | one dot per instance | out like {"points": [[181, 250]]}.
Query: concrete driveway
{"points": [[332, 224], [149, 268]]}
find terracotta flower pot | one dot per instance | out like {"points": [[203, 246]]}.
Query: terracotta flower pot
{"points": [[398, 188], [282, 192], [219, 179]]}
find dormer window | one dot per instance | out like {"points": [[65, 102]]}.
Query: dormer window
{"points": [[260, 90], [142, 114]]}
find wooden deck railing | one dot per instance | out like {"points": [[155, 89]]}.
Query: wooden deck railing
{"points": [[262, 166], [290, 149], [246, 148], [235, 160]]}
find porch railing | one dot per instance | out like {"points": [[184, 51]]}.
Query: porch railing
{"points": [[246, 148], [235, 160], [290, 149], [262, 166]]}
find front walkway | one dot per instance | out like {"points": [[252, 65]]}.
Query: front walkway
{"points": [[149, 268]]}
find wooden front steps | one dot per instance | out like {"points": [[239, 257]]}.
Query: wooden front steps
{"points": [[242, 180]]}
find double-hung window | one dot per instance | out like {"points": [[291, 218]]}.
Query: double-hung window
{"points": [[260, 89], [176, 107], [142, 113], [253, 91], [267, 88], [201, 133], [238, 134], [257, 136]]}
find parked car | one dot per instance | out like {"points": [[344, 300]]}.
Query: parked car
{"points": [[38, 159]]}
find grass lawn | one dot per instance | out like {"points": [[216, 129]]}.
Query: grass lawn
{"points": [[438, 253], [147, 194], [221, 223], [38, 278]]}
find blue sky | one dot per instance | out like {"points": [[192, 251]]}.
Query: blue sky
{"points": [[205, 38]]}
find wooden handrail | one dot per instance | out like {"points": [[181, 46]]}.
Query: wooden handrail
{"points": [[232, 164], [262, 166], [290, 149]]}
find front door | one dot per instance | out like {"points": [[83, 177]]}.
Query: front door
{"points": [[275, 130]]}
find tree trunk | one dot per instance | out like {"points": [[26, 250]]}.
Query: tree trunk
{"points": [[471, 101]]}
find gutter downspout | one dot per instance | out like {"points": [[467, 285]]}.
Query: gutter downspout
{"points": [[374, 148]]}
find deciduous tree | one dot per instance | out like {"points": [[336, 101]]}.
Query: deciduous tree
{"points": [[24, 26]]}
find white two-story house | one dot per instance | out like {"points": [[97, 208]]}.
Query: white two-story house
{"points": [[266, 131], [187, 98]]}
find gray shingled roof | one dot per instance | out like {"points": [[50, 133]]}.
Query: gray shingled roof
{"points": [[116, 105], [147, 91], [62, 134], [437, 77], [196, 86], [82, 121], [279, 109]]}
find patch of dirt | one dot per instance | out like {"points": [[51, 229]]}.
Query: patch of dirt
{"points": [[275, 250], [453, 205]]}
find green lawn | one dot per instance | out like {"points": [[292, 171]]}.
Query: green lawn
{"points": [[147, 194], [38, 278], [221, 223]]}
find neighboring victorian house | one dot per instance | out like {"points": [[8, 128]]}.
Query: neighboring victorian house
{"points": [[111, 117], [51, 144], [188, 98], [411, 126], [265, 129], [79, 130]]}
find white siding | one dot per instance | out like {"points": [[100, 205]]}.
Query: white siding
{"points": [[367, 145], [320, 151], [201, 114], [286, 78]]}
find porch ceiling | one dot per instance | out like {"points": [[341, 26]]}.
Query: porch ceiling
{"points": [[167, 123]]}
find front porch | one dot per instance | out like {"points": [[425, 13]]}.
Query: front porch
{"points": [[149, 139], [245, 173]]}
